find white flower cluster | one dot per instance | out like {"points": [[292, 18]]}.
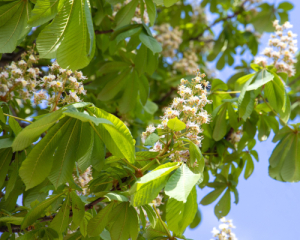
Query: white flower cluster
{"points": [[189, 108], [225, 232], [281, 50], [169, 38], [137, 15], [188, 64], [83, 180], [20, 80]]}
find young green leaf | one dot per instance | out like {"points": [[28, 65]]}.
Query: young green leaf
{"points": [[220, 128], [147, 187], [176, 125], [150, 42], [223, 206], [181, 183]]}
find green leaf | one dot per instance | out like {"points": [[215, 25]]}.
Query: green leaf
{"points": [[218, 84], [34, 130], [247, 105], [263, 128], [151, 139], [197, 162], [38, 210], [275, 93], [8, 10], [115, 196], [150, 214], [212, 196], [147, 187], [232, 117], [196, 220], [285, 158], [2, 117], [114, 66], [143, 85], [65, 155], [16, 25], [286, 6], [44, 11], [220, 128], [117, 138], [85, 146], [84, 117], [151, 10], [14, 125], [5, 159], [169, 3], [61, 220], [179, 214], [249, 166], [129, 97], [261, 79], [176, 125], [125, 225], [37, 166], [97, 224], [223, 206], [150, 42], [67, 37], [112, 88], [13, 176], [78, 209], [12, 220], [125, 15], [181, 183]]}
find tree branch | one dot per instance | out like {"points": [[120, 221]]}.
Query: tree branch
{"points": [[17, 228], [104, 32], [166, 96]]}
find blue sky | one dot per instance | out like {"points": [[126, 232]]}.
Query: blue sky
{"points": [[268, 209]]}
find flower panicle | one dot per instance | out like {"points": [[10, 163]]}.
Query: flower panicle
{"points": [[21, 81], [281, 50], [225, 231], [188, 108]]}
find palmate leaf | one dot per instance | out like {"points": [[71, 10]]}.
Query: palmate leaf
{"points": [[146, 188], [285, 159], [181, 183], [37, 166], [261, 79], [179, 215], [15, 27], [67, 37], [44, 11]]}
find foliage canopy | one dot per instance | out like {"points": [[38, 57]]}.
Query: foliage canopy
{"points": [[82, 169]]}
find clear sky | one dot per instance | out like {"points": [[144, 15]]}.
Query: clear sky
{"points": [[268, 209]]}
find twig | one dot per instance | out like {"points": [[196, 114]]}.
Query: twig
{"points": [[21, 119], [103, 32], [221, 20], [168, 94]]}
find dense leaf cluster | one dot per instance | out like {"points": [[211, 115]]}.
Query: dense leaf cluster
{"points": [[131, 192]]}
